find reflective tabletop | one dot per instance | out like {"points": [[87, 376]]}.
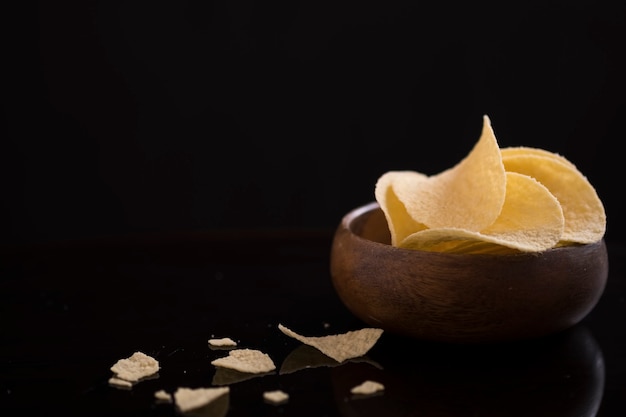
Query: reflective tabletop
{"points": [[70, 310]]}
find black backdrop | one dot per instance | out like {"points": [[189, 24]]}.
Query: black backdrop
{"points": [[133, 116]]}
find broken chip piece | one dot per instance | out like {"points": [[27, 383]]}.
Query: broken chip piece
{"points": [[137, 366], [367, 387], [275, 397], [340, 347], [188, 399], [163, 396], [222, 342], [120, 383], [246, 360]]}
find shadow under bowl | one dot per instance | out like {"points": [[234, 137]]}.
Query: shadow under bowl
{"points": [[461, 298]]}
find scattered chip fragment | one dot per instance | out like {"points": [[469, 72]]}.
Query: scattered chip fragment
{"points": [[246, 360], [137, 366], [120, 383], [163, 396], [340, 347], [368, 387], [276, 397], [222, 342], [187, 399]]}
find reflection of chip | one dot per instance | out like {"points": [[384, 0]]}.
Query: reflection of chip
{"points": [[137, 366], [226, 376], [246, 360], [495, 200], [340, 347], [307, 357]]}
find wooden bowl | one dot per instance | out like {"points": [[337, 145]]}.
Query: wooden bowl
{"points": [[461, 298]]}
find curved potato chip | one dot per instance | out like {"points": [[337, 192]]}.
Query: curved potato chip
{"points": [[585, 218], [526, 150], [400, 223], [468, 196], [340, 347], [531, 220]]}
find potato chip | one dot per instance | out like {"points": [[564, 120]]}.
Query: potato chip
{"points": [[400, 222], [531, 220], [493, 201], [526, 150], [456, 197], [340, 347], [246, 360], [585, 218]]}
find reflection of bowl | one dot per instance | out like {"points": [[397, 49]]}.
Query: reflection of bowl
{"points": [[558, 375], [466, 298]]}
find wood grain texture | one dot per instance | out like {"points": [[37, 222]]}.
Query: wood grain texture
{"points": [[459, 297]]}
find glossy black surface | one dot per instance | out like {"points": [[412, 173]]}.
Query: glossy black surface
{"points": [[71, 310]]}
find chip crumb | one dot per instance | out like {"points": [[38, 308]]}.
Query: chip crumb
{"points": [[367, 388], [121, 383], [276, 397], [191, 398], [135, 367], [246, 360], [163, 396], [340, 347], [222, 342]]}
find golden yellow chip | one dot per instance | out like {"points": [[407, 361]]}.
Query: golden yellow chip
{"points": [[456, 197], [525, 150], [495, 200], [400, 222], [531, 220], [585, 218]]}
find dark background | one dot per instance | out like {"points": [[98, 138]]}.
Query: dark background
{"points": [[162, 116]]}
